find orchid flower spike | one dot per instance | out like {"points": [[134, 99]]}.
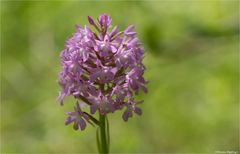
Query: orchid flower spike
{"points": [[102, 68]]}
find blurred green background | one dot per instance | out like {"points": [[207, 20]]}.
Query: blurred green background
{"points": [[192, 65]]}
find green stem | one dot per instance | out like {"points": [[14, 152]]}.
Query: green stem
{"points": [[103, 134]]}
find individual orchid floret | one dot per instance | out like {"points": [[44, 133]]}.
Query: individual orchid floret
{"points": [[105, 21], [78, 118], [131, 107]]}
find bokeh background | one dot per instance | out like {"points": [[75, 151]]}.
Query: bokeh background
{"points": [[192, 65]]}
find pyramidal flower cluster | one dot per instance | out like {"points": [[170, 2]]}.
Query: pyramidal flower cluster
{"points": [[101, 68]]}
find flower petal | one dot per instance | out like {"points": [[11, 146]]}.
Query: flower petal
{"points": [[126, 115], [93, 108], [138, 111], [75, 125], [68, 120], [82, 123], [114, 31], [129, 28]]}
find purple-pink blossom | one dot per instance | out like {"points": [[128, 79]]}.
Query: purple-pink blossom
{"points": [[78, 118], [102, 68]]}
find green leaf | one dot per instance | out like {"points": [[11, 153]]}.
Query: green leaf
{"points": [[108, 134], [98, 141]]}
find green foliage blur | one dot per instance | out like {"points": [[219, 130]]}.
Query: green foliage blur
{"points": [[192, 68]]}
